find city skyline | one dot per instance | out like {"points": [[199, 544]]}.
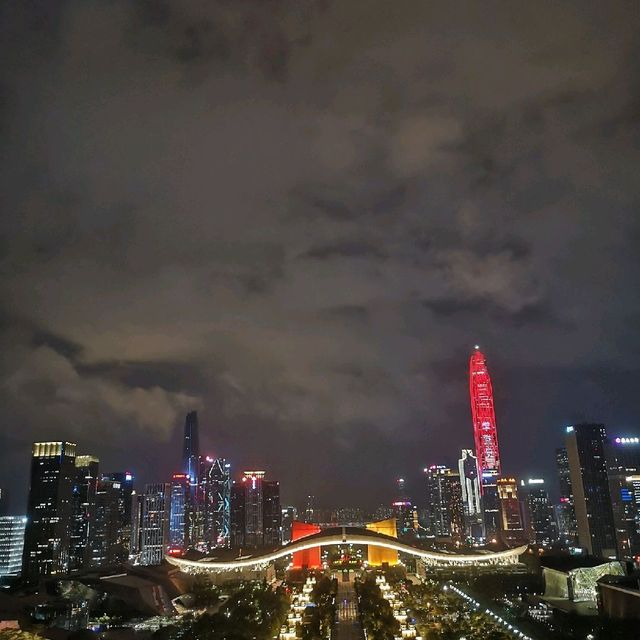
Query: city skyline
{"points": [[193, 458]]}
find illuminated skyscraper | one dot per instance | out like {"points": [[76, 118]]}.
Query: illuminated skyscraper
{"points": [[191, 447], [254, 508], [471, 500], [565, 511], [179, 516], [590, 485], [110, 539], [623, 458], [154, 529], [48, 530], [511, 526], [271, 514], [486, 438], [256, 517], [215, 497], [117, 489], [444, 508], [540, 522], [83, 505], [402, 510], [11, 544], [289, 514]]}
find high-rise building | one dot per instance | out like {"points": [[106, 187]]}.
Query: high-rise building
{"points": [[309, 510], [238, 517], [540, 521], [11, 544], [255, 511], [179, 516], [511, 526], [3, 501], [191, 447], [471, 500], [402, 509], [590, 485], [444, 507], [565, 511], [289, 514], [486, 438], [136, 524], [254, 508], [154, 531], [623, 469], [191, 466], [121, 492], [215, 501], [83, 504], [112, 536], [271, 514], [48, 529], [107, 544]]}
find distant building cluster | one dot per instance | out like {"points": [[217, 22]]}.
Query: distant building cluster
{"points": [[79, 517]]}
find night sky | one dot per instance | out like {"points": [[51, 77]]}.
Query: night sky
{"points": [[299, 216]]}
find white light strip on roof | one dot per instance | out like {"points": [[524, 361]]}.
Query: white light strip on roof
{"points": [[337, 539]]}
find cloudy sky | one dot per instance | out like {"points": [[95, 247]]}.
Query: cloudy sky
{"points": [[298, 217]]}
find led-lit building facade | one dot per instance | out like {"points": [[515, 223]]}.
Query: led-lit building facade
{"points": [[470, 494], [254, 508], [154, 529], [486, 438], [48, 529], [179, 516], [11, 544], [309, 558], [590, 485], [444, 507], [623, 470], [378, 556], [191, 447], [215, 501], [83, 505], [511, 527], [565, 511]]}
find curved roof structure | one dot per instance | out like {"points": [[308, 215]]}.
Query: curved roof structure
{"points": [[350, 535]]}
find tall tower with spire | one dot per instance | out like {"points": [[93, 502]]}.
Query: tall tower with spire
{"points": [[485, 434], [191, 447]]}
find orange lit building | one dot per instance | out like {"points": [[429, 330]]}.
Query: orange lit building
{"points": [[309, 558], [379, 555]]}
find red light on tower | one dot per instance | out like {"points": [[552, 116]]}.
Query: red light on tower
{"points": [[483, 414]]}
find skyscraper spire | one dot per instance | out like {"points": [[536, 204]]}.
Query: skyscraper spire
{"points": [[191, 450], [483, 415]]}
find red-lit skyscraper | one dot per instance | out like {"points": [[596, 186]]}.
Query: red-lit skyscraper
{"points": [[483, 414], [486, 438]]}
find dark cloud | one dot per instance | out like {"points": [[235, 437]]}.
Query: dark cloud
{"points": [[345, 250], [299, 216]]}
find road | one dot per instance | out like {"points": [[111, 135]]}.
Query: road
{"points": [[347, 625]]}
